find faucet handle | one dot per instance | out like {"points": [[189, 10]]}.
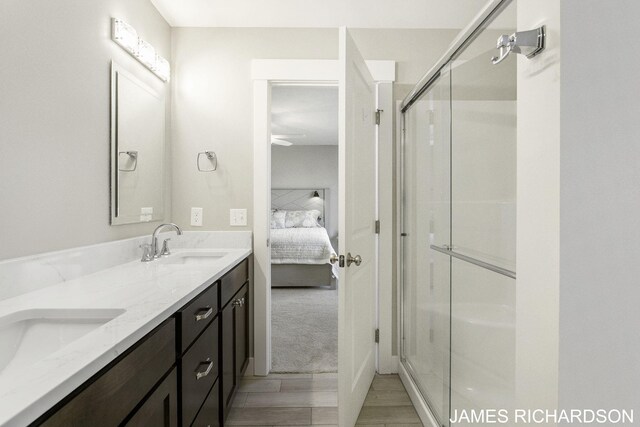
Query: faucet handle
{"points": [[147, 252], [165, 248]]}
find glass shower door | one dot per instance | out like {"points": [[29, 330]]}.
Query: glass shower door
{"points": [[426, 221], [459, 231], [483, 223]]}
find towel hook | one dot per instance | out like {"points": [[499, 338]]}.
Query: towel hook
{"points": [[528, 43]]}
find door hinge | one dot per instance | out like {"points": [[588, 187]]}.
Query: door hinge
{"points": [[378, 116], [377, 335], [377, 226]]}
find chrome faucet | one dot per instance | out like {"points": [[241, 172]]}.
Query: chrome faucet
{"points": [[154, 239]]}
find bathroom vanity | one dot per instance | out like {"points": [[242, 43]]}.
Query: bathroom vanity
{"points": [[169, 341], [184, 372]]}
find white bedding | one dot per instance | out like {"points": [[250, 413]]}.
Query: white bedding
{"points": [[300, 246]]}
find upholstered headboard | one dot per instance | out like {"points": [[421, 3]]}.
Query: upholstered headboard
{"points": [[300, 199]]}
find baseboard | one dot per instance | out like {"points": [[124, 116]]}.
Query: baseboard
{"points": [[389, 368], [427, 418], [250, 370], [394, 364], [387, 364]]}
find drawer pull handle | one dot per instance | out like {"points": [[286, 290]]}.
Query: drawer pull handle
{"points": [[202, 374], [201, 316]]}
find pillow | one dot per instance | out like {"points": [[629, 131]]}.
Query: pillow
{"points": [[277, 218], [302, 219]]}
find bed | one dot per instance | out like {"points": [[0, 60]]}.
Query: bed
{"points": [[300, 244]]}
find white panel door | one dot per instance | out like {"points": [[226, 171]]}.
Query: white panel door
{"points": [[357, 287]]}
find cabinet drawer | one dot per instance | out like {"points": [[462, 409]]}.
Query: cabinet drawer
{"points": [[233, 281], [194, 317], [112, 395], [209, 415], [199, 372]]}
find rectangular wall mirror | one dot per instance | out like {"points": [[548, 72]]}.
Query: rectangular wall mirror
{"points": [[137, 150]]}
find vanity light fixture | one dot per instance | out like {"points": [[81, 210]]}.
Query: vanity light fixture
{"points": [[127, 37]]}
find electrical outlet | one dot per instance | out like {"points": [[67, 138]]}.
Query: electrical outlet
{"points": [[238, 217], [196, 217]]}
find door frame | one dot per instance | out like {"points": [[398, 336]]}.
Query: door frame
{"points": [[265, 72]]}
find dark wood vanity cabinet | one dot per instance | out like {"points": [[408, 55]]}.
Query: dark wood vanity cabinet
{"points": [[119, 392], [184, 373], [161, 408], [235, 343], [198, 351]]}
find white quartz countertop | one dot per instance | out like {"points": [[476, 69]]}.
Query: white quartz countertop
{"points": [[149, 293]]}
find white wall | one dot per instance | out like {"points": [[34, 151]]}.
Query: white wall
{"points": [[212, 109], [600, 206], [212, 101], [54, 119], [538, 212], [309, 167]]}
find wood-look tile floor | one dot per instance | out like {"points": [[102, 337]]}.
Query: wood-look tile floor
{"points": [[312, 399]]}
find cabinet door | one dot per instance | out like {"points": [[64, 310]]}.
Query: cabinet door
{"points": [[210, 412], [228, 371], [241, 334], [114, 394], [234, 345], [161, 408]]}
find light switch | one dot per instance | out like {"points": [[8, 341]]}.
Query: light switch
{"points": [[238, 217], [146, 214], [196, 217]]}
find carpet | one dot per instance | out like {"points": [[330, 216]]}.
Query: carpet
{"points": [[304, 330]]}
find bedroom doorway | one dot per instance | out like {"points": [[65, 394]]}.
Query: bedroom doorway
{"points": [[304, 228], [365, 291]]}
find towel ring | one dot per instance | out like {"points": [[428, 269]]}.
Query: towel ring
{"points": [[211, 156], [133, 156]]}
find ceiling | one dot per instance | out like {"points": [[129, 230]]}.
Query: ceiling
{"points": [[305, 115], [319, 14]]}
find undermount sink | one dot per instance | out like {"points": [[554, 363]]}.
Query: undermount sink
{"points": [[193, 258], [29, 336]]}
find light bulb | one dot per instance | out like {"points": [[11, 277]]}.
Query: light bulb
{"points": [[125, 35], [162, 68], [146, 53]]}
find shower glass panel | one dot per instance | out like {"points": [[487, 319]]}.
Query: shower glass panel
{"points": [[483, 132], [459, 230], [483, 221], [426, 221]]}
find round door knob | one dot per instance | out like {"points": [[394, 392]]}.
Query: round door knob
{"points": [[357, 260], [333, 259]]}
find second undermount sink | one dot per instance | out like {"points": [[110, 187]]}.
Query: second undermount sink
{"points": [[29, 336], [193, 257]]}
